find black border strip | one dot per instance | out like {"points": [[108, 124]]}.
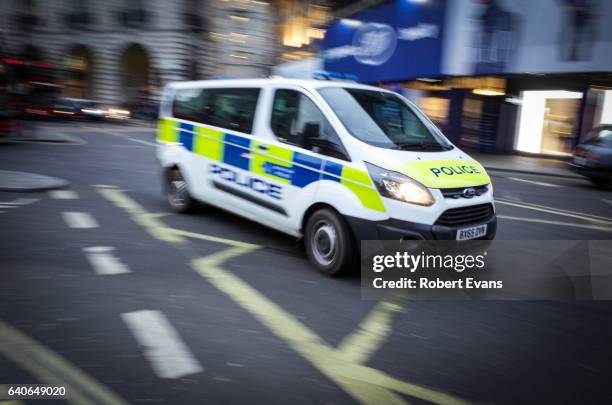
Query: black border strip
{"points": [[249, 197]]}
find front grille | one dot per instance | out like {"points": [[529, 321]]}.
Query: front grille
{"points": [[456, 192], [466, 215]]}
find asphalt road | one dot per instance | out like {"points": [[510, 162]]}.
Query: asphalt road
{"points": [[108, 293]]}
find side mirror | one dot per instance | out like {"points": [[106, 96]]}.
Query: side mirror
{"points": [[311, 139], [312, 131]]}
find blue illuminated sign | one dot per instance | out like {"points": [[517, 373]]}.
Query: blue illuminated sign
{"points": [[398, 40]]}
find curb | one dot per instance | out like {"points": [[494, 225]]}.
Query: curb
{"points": [[560, 175]]}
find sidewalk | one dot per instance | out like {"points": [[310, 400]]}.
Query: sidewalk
{"points": [[29, 182], [41, 132], [525, 164]]}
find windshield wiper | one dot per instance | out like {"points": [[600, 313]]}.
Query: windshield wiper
{"points": [[423, 146]]}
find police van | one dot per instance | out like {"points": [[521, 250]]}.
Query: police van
{"points": [[330, 161]]}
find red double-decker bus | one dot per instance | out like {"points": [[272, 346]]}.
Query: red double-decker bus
{"points": [[8, 123], [34, 86]]}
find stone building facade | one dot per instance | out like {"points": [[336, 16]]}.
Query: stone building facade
{"points": [[123, 48]]}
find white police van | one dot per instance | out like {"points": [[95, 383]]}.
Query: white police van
{"points": [[332, 161]]}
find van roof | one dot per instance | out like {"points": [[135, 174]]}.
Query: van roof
{"points": [[272, 81]]}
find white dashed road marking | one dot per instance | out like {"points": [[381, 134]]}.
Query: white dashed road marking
{"points": [[104, 262], [24, 201], [607, 201], [163, 346], [17, 203], [127, 138], [103, 186], [79, 220], [538, 183], [63, 194]]}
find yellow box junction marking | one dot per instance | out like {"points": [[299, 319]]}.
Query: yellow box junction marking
{"points": [[345, 365], [50, 368], [370, 334]]}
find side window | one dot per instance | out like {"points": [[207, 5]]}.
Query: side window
{"points": [[291, 111], [189, 104], [225, 108], [232, 109]]}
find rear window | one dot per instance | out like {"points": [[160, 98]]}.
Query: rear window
{"points": [[229, 108]]}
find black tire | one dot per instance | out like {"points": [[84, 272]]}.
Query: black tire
{"points": [[329, 243], [177, 193]]}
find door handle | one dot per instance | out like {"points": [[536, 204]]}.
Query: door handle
{"points": [[262, 147]]}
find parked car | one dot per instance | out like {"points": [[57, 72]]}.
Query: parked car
{"points": [[81, 109], [593, 158]]}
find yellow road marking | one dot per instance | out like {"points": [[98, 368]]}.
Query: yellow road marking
{"points": [[561, 210], [557, 211], [365, 384], [560, 223], [212, 238], [51, 368], [156, 228], [143, 218], [370, 334]]}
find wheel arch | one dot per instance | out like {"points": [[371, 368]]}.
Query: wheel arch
{"points": [[311, 210], [319, 205], [167, 169]]}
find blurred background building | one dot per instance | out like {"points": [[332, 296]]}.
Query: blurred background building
{"points": [[122, 50], [496, 75]]}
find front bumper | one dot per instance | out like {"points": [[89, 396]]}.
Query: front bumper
{"points": [[395, 229]]}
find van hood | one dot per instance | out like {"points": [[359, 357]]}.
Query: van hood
{"points": [[447, 169]]}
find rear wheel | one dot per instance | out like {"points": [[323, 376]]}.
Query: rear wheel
{"points": [[329, 243], [177, 193]]}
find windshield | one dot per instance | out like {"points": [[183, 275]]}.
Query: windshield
{"points": [[383, 119]]}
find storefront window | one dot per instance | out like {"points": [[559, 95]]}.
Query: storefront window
{"points": [[559, 131], [548, 121], [436, 108], [603, 113]]}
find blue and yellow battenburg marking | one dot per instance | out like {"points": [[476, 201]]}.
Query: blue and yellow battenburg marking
{"points": [[269, 161]]}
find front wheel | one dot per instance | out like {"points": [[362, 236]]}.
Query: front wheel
{"points": [[329, 243], [177, 193]]}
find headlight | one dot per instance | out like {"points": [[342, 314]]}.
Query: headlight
{"points": [[399, 187]]}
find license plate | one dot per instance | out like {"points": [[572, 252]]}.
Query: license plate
{"points": [[472, 233], [580, 161]]}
